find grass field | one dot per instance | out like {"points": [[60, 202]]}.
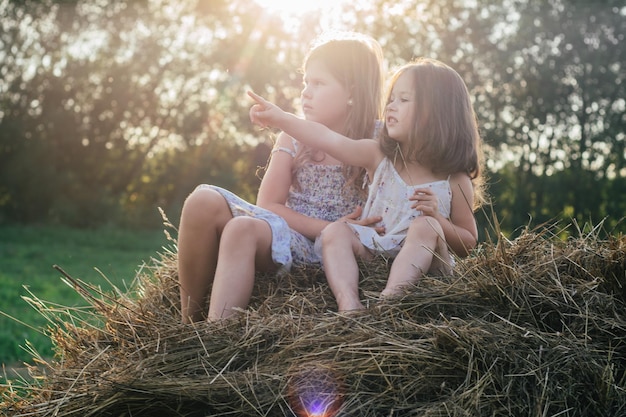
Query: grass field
{"points": [[27, 256]]}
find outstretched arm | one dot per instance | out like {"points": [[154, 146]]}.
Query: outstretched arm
{"points": [[363, 153]]}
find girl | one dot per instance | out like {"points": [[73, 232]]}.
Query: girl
{"points": [[224, 240], [425, 177]]}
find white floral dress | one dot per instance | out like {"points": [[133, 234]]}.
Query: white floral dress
{"points": [[389, 197], [321, 194]]}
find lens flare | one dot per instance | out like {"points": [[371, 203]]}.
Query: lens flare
{"points": [[315, 391]]}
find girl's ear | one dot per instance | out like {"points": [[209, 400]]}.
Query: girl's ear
{"points": [[351, 96]]}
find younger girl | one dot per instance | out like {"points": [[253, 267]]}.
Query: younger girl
{"points": [[425, 177], [223, 240]]}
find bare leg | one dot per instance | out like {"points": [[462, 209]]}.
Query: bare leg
{"points": [[424, 238], [340, 247], [204, 215], [245, 247]]}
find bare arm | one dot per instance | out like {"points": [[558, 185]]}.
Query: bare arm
{"points": [[274, 190], [362, 153], [460, 230]]}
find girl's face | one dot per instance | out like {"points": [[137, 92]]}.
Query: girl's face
{"points": [[324, 99], [400, 109]]}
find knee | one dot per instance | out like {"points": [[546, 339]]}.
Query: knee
{"points": [[424, 228], [244, 229], [335, 232], [203, 204]]}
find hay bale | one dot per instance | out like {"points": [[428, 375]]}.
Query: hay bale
{"points": [[530, 327]]}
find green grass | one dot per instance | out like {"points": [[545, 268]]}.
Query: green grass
{"points": [[27, 256]]}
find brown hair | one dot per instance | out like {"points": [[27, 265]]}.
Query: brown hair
{"points": [[355, 60], [444, 135]]}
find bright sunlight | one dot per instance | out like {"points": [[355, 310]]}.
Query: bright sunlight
{"points": [[291, 8], [291, 11]]}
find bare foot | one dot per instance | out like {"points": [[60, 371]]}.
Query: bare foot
{"points": [[359, 312]]}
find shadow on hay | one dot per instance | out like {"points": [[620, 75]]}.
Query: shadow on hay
{"points": [[529, 327]]}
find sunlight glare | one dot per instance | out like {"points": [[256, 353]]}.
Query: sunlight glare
{"points": [[291, 8]]}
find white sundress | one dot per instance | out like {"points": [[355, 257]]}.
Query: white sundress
{"points": [[321, 194], [389, 197]]}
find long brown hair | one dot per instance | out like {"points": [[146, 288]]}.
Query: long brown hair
{"points": [[355, 60], [444, 135]]}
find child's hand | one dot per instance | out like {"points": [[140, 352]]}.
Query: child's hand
{"points": [[354, 218], [425, 201], [264, 113], [253, 111]]}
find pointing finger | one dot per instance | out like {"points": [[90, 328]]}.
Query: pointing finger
{"points": [[257, 98]]}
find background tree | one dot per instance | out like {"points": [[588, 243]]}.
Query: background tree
{"points": [[109, 109], [562, 103]]}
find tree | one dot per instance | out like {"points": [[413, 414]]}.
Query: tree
{"points": [[561, 97], [130, 104], [107, 111]]}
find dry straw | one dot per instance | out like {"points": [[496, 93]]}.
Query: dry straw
{"points": [[530, 327]]}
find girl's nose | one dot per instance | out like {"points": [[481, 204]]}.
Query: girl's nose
{"points": [[305, 92]]}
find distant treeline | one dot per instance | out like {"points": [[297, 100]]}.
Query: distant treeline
{"points": [[110, 110]]}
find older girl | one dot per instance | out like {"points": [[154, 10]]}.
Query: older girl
{"points": [[223, 240]]}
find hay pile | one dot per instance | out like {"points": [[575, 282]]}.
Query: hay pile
{"points": [[530, 327]]}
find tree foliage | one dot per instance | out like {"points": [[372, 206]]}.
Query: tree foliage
{"points": [[109, 109]]}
